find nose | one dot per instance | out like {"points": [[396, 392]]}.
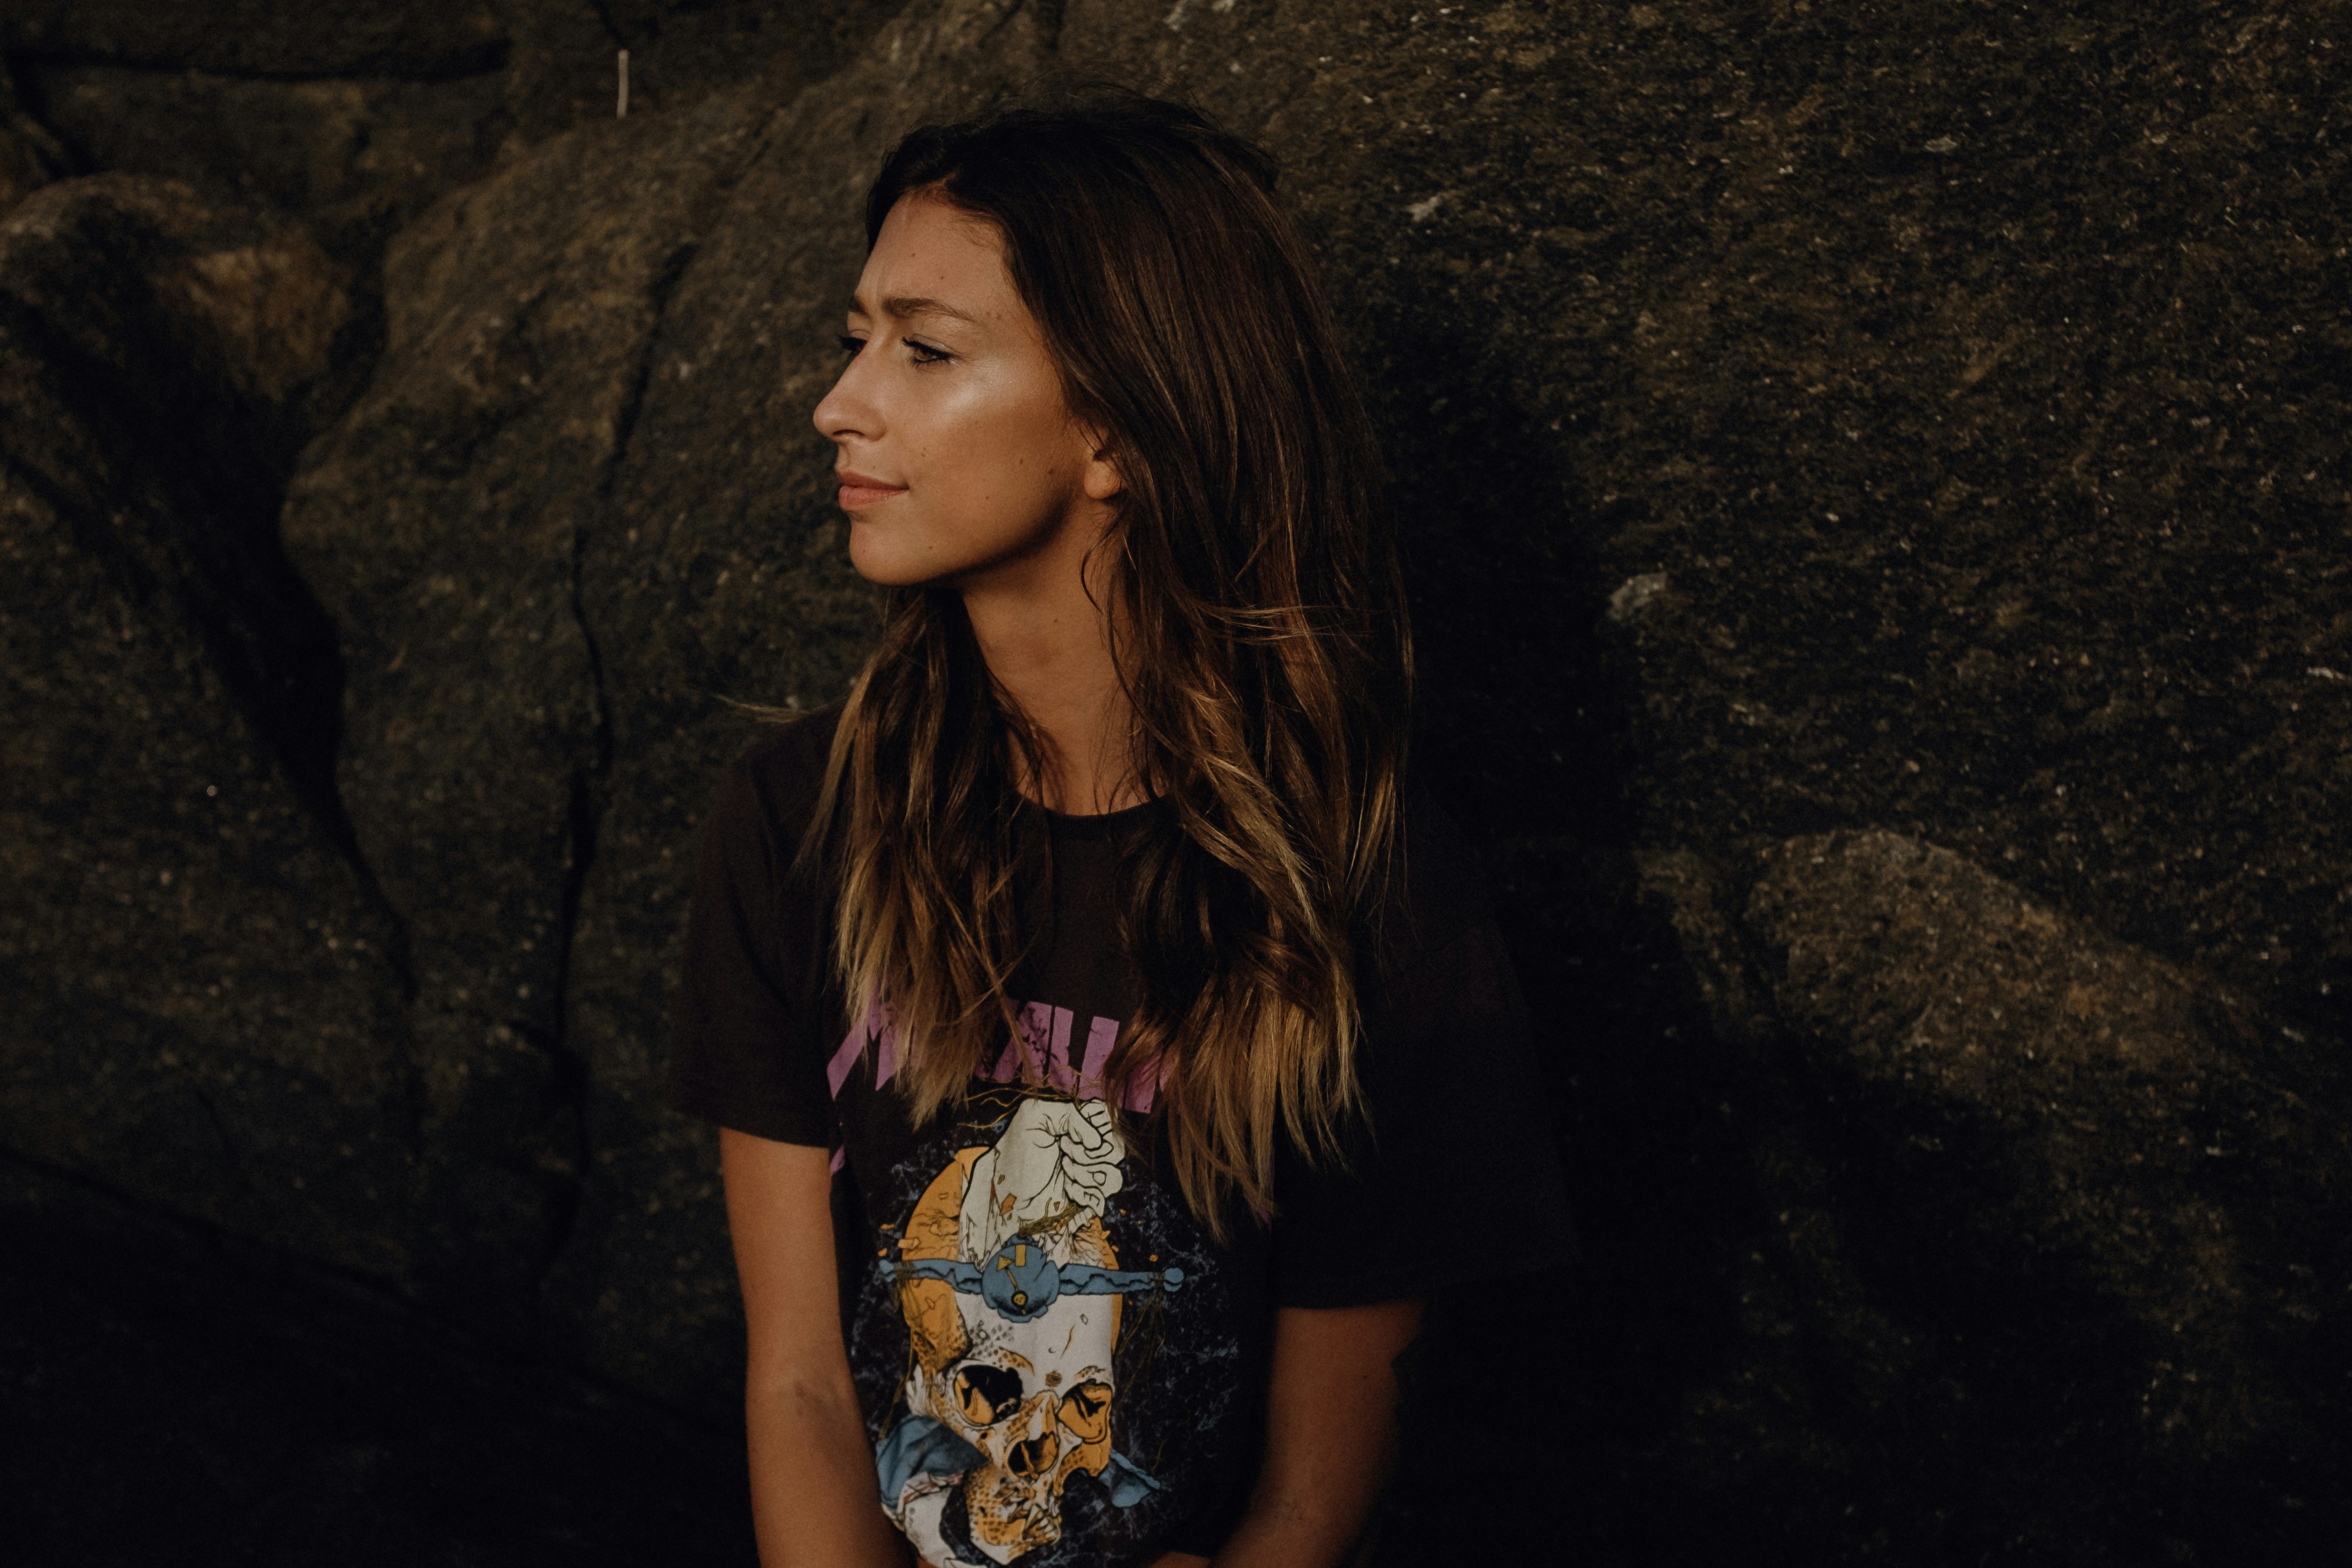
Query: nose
{"points": [[847, 413], [1035, 1456]]}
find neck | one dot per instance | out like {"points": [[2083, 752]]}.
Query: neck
{"points": [[1048, 647]]}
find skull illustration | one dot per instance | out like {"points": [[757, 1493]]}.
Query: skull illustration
{"points": [[1027, 1384]]}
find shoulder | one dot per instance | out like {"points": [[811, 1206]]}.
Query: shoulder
{"points": [[774, 783], [1436, 889], [1456, 1139]]}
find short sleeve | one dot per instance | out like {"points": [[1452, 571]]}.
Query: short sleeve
{"points": [[1457, 1178], [742, 1046]]}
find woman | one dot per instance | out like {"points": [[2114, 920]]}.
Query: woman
{"points": [[1111, 1055]]}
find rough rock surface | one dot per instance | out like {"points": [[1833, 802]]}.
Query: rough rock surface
{"points": [[2088, 1166], [1910, 438], [2101, 1082], [357, 116], [356, 157], [564, 66], [197, 975], [416, 40], [442, 523], [30, 154]]}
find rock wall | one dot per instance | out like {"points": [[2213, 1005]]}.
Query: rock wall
{"points": [[1876, 503]]}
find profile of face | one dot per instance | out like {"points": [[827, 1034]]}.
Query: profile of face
{"points": [[958, 456]]}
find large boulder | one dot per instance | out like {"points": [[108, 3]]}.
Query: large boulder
{"points": [[1954, 414], [2055, 1199], [358, 117], [1909, 439], [199, 983], [2069, 1106], [30, 154], [409, 39], [355, 156], [443, 523], [564, 68]]}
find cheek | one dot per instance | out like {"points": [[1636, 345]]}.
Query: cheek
{"points": [[993, 448], [990, 466]]}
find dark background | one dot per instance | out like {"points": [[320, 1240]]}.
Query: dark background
{"points": [[1878, 517]]}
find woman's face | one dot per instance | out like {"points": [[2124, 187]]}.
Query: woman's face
{"points": [[958, 459]]}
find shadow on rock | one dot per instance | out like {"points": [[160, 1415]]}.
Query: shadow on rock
{"points": [[2039, 1267]]}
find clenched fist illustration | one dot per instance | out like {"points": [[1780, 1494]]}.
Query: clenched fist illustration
{"points": [[1054, 1166]]}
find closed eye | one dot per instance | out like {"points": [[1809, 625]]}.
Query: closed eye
{"points": [[923, 353]]}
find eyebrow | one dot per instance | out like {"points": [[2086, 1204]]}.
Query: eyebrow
{"points": [[905, 308]]}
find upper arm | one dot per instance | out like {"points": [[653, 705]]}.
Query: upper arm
{"points": [[780, 1215], [745, 1046]]}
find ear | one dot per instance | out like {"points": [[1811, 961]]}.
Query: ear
{"points": [[1102, 478]]}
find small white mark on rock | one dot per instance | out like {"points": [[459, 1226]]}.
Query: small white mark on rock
{"points": [[1633, 595], [1419, 211], [2322, 671], [1175, 18], [1944, 144]]}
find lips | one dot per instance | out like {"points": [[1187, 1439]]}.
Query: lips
{"points": [[860, 490]]}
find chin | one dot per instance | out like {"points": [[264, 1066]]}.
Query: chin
{"points": [[875, 561], [886, 557]]}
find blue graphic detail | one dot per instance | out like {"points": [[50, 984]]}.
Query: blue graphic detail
{"points": [[1126, 1482], [920, 1446], [1021, 1281]]}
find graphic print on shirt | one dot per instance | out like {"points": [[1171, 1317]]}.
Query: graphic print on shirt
{"points": [[1013, 1296]]}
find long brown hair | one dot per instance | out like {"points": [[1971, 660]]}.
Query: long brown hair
{"points": [[1259, 631]]}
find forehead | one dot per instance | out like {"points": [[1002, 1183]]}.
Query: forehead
{"points": [[931, 254]]}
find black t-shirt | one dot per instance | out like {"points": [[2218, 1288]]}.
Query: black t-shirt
{"points": [[1055, 1364]]}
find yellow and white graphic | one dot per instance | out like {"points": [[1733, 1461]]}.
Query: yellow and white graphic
{"points": [[1012, 1294]]}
